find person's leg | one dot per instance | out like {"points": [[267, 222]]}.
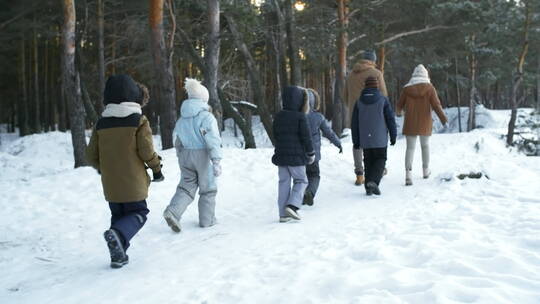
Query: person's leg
{"points": [[409, 156], [358, 168], [132, 220], [367, 164], [313, 175], [300, 182], [185, 192], [116, 212], [424, 144], [377, 165], [207, 189], [284, 189]]}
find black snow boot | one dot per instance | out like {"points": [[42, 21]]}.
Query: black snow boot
{"points": [[119, 257], [373, 188], [308, 198]]}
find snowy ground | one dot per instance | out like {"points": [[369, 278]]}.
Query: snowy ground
{"points": [[456, 241]]}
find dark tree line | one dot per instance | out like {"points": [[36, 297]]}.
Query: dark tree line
{"points": [[55, 55]]}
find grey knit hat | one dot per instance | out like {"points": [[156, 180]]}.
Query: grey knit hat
{"points": [[369, 55]]}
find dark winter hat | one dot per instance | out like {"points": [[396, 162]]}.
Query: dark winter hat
{"points": [[371, 82], [369, 55], [121, 88]]}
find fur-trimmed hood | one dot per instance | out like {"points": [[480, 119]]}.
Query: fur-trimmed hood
{"points": [[295, 99]]}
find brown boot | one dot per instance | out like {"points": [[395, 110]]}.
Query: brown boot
{"points": [[359, 180]]}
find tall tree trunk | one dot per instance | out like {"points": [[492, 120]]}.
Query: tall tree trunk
{"points": [[22, 110], [46, 108], [101, 55], [538, 86], [471, 123], [282, 45], [518, 77], [382, 57], [294, 61], [458, 95], [339, 111], [254, 77], [212, 60], [163, 73], [36, 123], [71, 84]]}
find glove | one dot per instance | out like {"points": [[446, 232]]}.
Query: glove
{"points": [[392, 141], [158, 177], [311, 158], [340, 149], [217, 167]]}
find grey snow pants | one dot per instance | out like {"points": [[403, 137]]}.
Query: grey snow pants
{"points": [[196, 173], [358, 155], [286, 195]]}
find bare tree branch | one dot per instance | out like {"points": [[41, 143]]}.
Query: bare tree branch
{"points": [[356, 39], [414, 32]]}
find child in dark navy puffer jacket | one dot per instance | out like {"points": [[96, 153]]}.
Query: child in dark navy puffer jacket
{"points": [[372, 120], [317, 124], [293, 151]]}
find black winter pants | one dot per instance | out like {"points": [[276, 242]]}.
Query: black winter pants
{"points": [[128, 219], [314, 178], [374, 164]]}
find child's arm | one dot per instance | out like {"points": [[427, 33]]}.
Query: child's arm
{"points": [[436, 105], [354, 127], [328, 133], [210, 132], [305, 136], [92, 150], [145, 146], [390, 121]]}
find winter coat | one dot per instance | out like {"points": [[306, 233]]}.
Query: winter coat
{"points": [[292, 135], [418, 101], [318, 123], [197, 128], [119, 148], [355, 85], [372, 120]]}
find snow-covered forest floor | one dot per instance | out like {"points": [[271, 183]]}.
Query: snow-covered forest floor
{"points": [[443, 240]]}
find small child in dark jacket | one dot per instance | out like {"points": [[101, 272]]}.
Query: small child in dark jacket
{"points": [[317, 124], [120, 149], [372, 120], [293, 151]]}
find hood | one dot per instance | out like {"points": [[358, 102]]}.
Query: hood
{"points": [[363, 65], [314, 100], [121, 88], [418, 90], [370, 95], [192, 107], [294, 99]]}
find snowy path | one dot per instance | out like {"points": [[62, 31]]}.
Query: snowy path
{"points": [[470, 241]]}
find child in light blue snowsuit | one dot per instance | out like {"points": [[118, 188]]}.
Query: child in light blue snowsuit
{"points": [[317, 124], [198, 148]]}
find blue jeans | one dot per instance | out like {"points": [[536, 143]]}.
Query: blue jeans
{"points": [[128, 219]]}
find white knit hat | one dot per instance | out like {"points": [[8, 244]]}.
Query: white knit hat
{"points": [[196, 90], [420, 71], [420, 75]]}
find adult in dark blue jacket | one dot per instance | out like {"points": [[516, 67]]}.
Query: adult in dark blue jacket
{"points": [[317, 124], [293, 151], [372, 120]]}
